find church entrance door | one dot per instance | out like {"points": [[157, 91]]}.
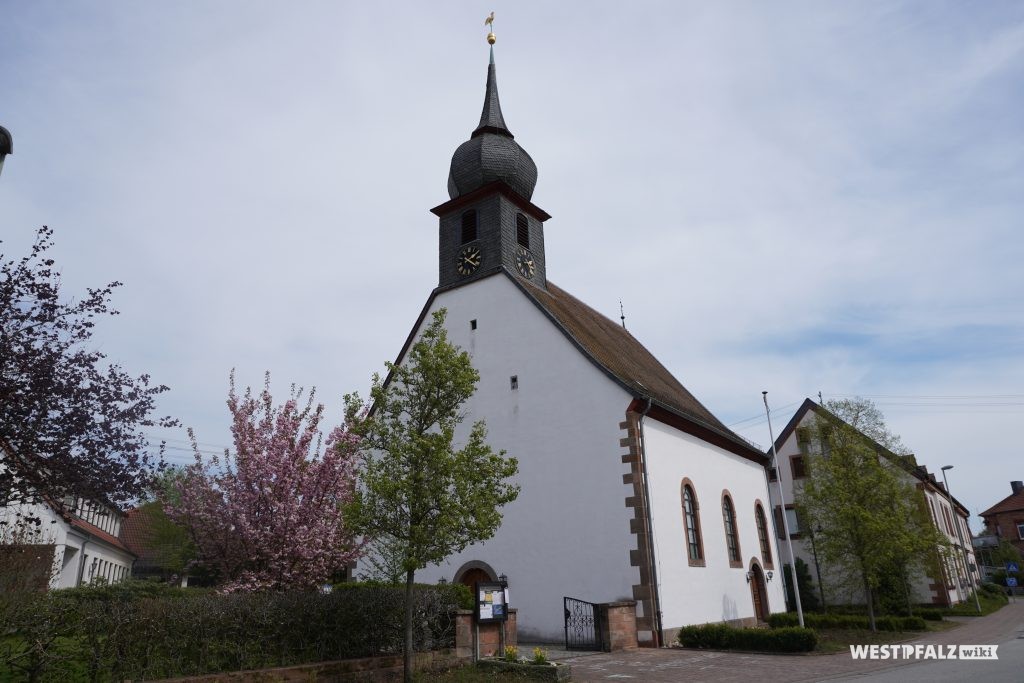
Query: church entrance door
{"points": [[759, 593]]}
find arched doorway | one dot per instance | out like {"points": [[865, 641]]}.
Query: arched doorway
{"points": [[759, 592], [473, 572]]}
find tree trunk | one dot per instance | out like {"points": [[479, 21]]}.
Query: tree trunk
{"points": [[407, 659], [871, 604]]}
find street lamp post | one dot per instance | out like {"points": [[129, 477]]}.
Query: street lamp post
{"points": [[782, 506], [959, 535]]}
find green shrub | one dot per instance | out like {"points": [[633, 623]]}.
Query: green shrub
{"points": [[723, 637], [989, 588], [146, 631], [848, 621]]}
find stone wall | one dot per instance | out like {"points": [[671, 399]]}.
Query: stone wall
{"points": [[618, 625], [489, 634]]}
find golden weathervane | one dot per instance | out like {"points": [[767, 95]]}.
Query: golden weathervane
{"points": [[489, 22]]}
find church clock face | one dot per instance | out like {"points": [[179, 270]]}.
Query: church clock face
{"points": [[468, 260], [524, 262]]}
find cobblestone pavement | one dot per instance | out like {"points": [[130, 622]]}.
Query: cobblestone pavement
{"points": [[664, 665]]}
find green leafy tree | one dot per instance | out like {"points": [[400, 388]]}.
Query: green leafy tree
{"points": [[169, 546], [423, 496], [873, 526], [808, 592]]}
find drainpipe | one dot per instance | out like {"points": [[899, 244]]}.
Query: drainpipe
{"points": [[655, 598]]}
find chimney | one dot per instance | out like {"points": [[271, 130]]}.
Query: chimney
{"points": [[1017, 486]]}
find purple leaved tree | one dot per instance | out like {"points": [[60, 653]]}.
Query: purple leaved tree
{"points": [[269, 516], [71, 425]]}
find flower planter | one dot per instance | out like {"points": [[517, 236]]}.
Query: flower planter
{"points": [[550, 671]]}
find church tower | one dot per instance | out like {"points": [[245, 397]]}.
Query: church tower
{"points": [[489, 224]]}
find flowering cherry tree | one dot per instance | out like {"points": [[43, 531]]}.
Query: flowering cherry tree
{"points": [[269, 516]]}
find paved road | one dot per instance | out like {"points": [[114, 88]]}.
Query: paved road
{"points": [[1004, 628]]}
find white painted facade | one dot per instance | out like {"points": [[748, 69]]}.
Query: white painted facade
{"points": [[86, 548], [716, 591], [790, 448], [568, 534]]}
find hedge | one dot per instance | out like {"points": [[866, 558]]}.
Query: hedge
{"points": [[848, 621], [724, 637], [114, 633]]}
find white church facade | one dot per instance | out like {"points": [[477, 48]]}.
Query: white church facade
{"points": [[630, 488]]}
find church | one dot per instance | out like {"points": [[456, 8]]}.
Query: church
{"points": [[631, 490]]}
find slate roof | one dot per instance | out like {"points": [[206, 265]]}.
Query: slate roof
{"points": [[1013, 502], [491, 154]]}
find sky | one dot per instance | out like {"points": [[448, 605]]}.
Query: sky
{"points": [[794, 197]]}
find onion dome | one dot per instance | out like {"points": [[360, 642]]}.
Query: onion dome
{"points": [[491, 154]]}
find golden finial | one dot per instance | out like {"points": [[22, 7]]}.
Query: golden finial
{"points": [[489, 21]]}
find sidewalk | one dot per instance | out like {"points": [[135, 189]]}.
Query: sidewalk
{"points": [[670, 665]]}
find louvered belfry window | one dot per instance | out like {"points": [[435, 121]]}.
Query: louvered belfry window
{"points": [[522, 231], [468, 226]]}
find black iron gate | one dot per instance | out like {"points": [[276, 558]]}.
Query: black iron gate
{"points": [[582, 625]]}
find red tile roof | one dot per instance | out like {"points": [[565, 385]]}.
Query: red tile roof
{"points": [[1012, 503], [97, 532]]}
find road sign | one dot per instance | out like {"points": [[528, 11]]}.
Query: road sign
{"points": [[1012, 567], [1011, 582]]}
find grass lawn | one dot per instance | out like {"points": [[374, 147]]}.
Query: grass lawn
{"points": [[840, 640]]}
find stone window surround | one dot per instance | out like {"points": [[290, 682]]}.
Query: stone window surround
{"points": [[727, 500], [700, 561], [763, 535]]}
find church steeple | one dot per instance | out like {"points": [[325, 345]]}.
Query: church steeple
{"points": [[490, 224], [491, 120]]}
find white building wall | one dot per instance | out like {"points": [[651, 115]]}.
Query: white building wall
{"points": [[568, 532], [715, 592], [101, 559]]}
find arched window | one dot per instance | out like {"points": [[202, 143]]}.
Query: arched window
{"points": [[732, 538], [691, 521], [762, 535], [522, 231], [468, 226]]}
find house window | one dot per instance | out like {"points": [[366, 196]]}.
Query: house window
{"points": [[803, 439], [949, 524], [1020, 530], [794, 522], [762, 534], [513, 382], [732, 539], [691, 520], [773, 474], [472, 324], [468, 226], [522, 231], [796, 464]]}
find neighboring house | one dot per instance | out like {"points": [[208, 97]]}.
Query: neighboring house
{"points": [[157, 556], [959, 572], [631, 488], [83, 539], [1005, 519]]}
